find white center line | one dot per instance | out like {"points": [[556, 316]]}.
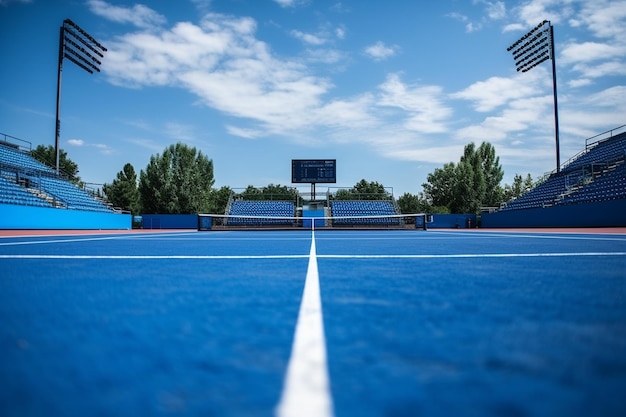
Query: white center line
{"points": [[306, 391]]}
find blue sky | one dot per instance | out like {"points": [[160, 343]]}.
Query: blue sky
{"points": [[391, 90]]}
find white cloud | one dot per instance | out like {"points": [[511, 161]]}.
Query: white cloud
{"points": [[222, 62], [496, 10], [590, 51], [243, 132], [606, 19], [580, 82], [102, 148], [308, 38], [379, 51], [601, 70], [422, 106], [497, 91], [290, 3], [138, 15]]}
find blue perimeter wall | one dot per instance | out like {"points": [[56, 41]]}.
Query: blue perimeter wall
{"points": [[169, 221], [451, 221], [600, 214], [40, 218]]}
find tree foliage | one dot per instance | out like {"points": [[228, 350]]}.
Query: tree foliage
{"points": [[177, 182], [519, 187], [411, 204], [123, 191], [219, 200], [270, 192], [364, 190], [472, 183], [47, 156]]}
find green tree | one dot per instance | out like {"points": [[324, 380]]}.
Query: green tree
{"points": [[440, 186], [410, 204], [219, 200], [123, 191], [47, 156], [270, 192], [364, 190], [252, 193], [177, 182], [493, 174], [279, 192], [472, 183], [519, 187]]}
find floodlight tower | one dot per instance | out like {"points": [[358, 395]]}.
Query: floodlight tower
{"points": [[78, 46], [531, 50]]}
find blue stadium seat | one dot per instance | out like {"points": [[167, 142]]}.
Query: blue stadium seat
{"points": [[16, 165], [598, 174], [360, 210], [262, 208], [12, 193]]}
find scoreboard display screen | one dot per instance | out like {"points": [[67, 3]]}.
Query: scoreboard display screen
{"points": [[314, 171]]}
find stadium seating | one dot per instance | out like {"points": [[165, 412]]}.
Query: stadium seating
{"points": [[608, 150], [253, 210], [15, 158], [349, 208], [70, 195], [21, 172], [609, 186], [597, 174], [12, 193]]}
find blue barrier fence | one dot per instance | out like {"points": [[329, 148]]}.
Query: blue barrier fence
{"points": [[598, 214], [19, 217]]}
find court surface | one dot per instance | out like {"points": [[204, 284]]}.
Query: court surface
{"points": [[330, 323]]}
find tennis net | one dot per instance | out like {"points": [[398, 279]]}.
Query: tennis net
{"points": [[208, 222]]}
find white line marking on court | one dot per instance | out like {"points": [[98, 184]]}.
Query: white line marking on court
{"points": [[34, 256], [345, 256], [307, 388], [474, 255], [40, 242], [572, 236]]}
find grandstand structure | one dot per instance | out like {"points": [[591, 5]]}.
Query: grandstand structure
{"points": [[33, 195], [598, 173], [589, 186], [26, 181], [325, 214]]}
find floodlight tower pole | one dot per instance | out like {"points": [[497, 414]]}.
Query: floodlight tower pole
{"points": [[79, 47], [57, 134], [531, 50], [556, 105]]}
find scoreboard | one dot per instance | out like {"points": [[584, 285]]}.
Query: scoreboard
{"points": [[314, 171]]}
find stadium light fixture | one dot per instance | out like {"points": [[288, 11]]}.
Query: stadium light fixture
{"points": [[532, 49], [80, 48]]}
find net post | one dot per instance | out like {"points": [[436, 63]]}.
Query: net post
{"points": [[424, 219], [205, 222]]}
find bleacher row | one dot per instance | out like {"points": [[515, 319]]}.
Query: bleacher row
{"points": [[348, 212], [598, 174], [344, 213], [261, 213], [26, 181]]}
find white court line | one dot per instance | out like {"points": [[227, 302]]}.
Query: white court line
{"points": [[346, 256], [34, 256], [306, 391], [41, 242]]}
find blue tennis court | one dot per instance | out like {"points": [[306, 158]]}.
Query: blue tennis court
{"points": [[331, 323]]}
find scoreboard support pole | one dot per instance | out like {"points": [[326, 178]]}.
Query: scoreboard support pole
{"points": [[313, 191]]}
